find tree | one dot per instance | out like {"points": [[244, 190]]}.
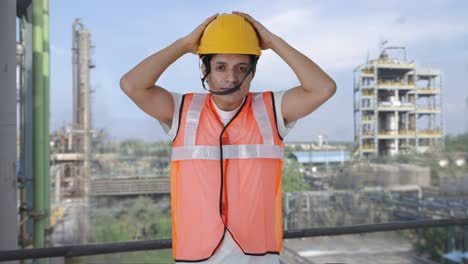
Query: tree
{"points": [[293, 177], [141, 220], [456, 143]]}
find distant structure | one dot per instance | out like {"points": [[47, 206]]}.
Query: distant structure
{"points": [[71, 148], [82, 99], [397, 106]]}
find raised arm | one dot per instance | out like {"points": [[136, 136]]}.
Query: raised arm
{"points": [[316, 86], [139, 82]]}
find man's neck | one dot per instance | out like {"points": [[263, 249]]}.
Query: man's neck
{"points": [[226, 106]]}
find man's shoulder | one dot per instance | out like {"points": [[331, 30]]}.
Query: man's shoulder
{"points": [[260, 93]]}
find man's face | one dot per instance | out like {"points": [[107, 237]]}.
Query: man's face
{"points": [[227, 71]]}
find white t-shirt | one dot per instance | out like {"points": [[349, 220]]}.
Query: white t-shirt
{"points": [[229, 252]]}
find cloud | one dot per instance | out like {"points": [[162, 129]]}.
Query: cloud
{"points": [[337, 35], [342, 42]]}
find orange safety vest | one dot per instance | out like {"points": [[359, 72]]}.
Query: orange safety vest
{"points": [[226, 178]]}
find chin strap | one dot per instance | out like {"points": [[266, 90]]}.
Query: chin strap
{"points": [[231, 90]]}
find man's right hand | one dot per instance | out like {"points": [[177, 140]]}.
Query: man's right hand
{"points": [[139, 82], [192, 40]]}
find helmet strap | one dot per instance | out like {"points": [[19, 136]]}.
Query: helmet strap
{"points": [[228, 91]]}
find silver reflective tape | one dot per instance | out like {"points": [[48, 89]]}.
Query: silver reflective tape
{"points": [[263, 121], [195, 152], [252, 151], [193, 116], [248, 151]]}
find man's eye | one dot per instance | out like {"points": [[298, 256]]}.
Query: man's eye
{"points": [[220, 68], [243, 69]]}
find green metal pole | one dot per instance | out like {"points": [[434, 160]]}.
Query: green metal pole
{"points": [[8, 125], [46, 76], [38, 126]]}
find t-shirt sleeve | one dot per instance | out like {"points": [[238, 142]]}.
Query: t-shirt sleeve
{"points": [[283, 128], [171, 131]]}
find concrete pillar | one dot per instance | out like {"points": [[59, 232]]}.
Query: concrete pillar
{"points": [[8, 198]]}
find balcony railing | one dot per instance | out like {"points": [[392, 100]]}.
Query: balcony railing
{"points": [[427, 90], [420, 110], [68, 252], [395, 64]]}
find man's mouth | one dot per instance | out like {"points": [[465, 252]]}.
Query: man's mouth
{"points": [[227, 87]]}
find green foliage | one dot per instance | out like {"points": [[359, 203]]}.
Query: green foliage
{"points": [[430, 242], [293, 177], [150, 256], [140, 221], [435, 174], [458, 143], [288, 150]]}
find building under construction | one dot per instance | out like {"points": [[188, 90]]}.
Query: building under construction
{"points": [[397, 106]]}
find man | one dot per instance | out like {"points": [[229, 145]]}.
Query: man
{"points": [[227, 144]]}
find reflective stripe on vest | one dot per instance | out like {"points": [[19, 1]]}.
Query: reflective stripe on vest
{"points": [[249, 151], [193, 115], [263, 121]]}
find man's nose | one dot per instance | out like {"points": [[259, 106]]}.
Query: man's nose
{"points": [[231, 76]]}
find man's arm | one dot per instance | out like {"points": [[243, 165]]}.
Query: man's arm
{"points": [[316, 86], [139, 82]]}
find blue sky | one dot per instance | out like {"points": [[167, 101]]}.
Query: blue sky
{"points": [[337, 35]]}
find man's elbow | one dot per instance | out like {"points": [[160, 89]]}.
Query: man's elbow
{"points": [[125, 84], [330, 88]]}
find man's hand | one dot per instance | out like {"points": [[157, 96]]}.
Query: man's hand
{"points": [[315, 87], [192, 40], [139, 82], [265, 36]]}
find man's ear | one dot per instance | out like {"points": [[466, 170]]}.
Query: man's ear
{"points": [[203, 69]]}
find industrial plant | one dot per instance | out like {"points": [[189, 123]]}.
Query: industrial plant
{"points": [[396, 193], [397, 106]]}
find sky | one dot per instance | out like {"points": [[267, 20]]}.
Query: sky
{"points": [[337, 35]]}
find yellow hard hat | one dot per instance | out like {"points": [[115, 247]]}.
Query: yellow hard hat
{"points": [[229, 34]]}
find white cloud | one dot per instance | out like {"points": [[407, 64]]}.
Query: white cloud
{"points": [[341, 43], [334, 37]]}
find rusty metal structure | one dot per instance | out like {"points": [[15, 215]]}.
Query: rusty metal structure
{"points": [[397, 106]]}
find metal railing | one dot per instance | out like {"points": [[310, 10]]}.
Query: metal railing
{"points": [[97, 249]]}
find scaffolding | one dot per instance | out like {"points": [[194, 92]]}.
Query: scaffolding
{"points": [[397, 106]]}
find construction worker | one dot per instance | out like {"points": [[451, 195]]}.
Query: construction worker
{"points": [[227, 143]]}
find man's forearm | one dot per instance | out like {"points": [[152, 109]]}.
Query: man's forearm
{"points": [[147, 72], [310, 75]]}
